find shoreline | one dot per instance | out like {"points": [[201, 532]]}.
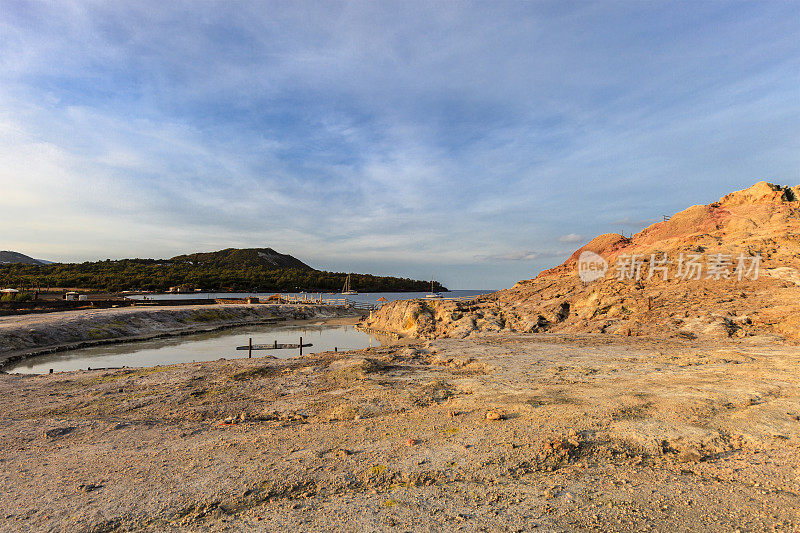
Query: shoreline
{"points": [[131, 324], [16, 358]]}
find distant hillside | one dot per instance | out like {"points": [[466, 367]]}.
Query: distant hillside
{"points": [[248, 270], [7, 256], [248, 257]]}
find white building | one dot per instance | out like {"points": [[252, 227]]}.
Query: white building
{"points": [[10, 293]]}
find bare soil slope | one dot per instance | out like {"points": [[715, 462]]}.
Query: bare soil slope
{"points": [[762, 221]]}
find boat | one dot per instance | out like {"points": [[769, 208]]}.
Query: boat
{"points": [[347, 289], [432, 295]]}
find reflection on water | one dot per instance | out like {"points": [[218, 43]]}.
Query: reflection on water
{"points": [[200, 347]]}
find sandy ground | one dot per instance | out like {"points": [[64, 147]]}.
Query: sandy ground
{"points": [[497, 433]]}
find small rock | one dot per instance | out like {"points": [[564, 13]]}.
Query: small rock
{"points": [[59, 432], [691, 455], [495, 415], [89, 487], [552, 492]]}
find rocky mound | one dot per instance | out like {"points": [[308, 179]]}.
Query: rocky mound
{"points": [[763, 219], [730, 268]]}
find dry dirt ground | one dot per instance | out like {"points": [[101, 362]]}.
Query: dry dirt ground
{"points": [[496, 433]]}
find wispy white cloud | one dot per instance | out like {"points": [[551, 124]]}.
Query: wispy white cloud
{"points": [[523, 255], [571, 237], [403, 138]]}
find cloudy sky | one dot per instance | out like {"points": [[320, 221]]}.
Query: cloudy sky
{"points": [[476, 141]]}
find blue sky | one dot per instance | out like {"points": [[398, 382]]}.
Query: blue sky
{"points": [[476, 141]]}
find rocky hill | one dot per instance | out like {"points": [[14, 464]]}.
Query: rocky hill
{"points": [[7, 256], [248, 257], [727, 269], [763, 219]]}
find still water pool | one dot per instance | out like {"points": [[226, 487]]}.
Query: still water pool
{"points": [[200, 347]]}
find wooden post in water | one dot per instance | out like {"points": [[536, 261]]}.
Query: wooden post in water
{"points": [[276, 344], [250, 348], [301, 345]]}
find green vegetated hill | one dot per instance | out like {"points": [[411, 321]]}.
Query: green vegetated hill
{"points": [[254, 269], [248, 257]]}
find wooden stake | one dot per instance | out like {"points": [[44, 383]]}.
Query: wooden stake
{"points": [[301, 345], [250, 348]]}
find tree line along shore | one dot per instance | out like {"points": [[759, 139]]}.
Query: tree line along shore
{"points": [[161, 275]]}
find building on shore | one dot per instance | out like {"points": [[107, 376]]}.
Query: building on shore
{"points": [[9, 294]]}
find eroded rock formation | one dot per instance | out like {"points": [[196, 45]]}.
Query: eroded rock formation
{"points": [[756, 230]]}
